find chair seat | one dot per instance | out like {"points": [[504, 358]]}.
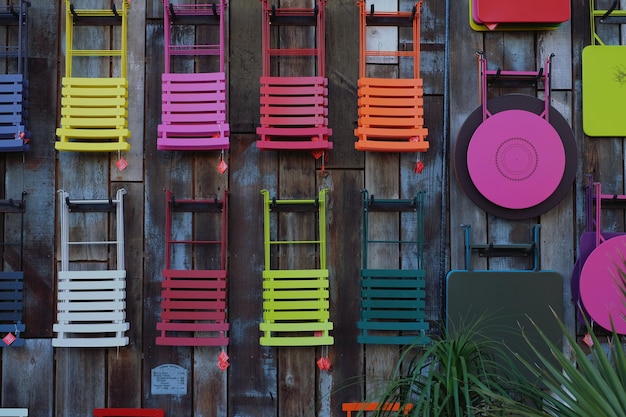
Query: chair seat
{"points": [[393, 307], [294, 114], [12, 306], [193, 112], [391, 115], [193, 301], [91, 309], [14, 135], [93, 115], [295, 308]]}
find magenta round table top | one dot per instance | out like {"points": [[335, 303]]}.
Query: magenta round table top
{"points": [[516, 159], [600, 284]]}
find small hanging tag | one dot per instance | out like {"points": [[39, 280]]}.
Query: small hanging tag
{"points": [[323, 363], [588, 340], [419, 167], [222, 361], [318, 153], [121, 164], [9, 339], [222, 166]]}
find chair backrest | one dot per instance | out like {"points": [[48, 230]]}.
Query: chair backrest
{"points": [[113, 17], [210, 13]]}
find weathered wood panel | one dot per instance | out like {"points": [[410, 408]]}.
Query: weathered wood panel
{"points": [[31, 384], [252, 385], [245, 65], [135, 75], [38, 172], [172, 171], [124, 370], [273, 381], [380, 359], [342, 71], [346, 379]]}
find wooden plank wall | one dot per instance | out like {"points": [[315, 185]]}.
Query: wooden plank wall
{"points": [[263, 381]]}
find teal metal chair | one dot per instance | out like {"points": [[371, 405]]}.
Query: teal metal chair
{"points": [[393, 306]]}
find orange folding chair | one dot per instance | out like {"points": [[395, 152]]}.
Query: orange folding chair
{"points": [[391, 114], [362, 407]]}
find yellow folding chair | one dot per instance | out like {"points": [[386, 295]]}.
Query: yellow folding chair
{"points": [[94, 109]]}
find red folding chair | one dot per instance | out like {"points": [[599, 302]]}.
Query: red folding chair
{"points": [[294, 108]]}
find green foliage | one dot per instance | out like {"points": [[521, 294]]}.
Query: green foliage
{"points": [[591, 385], [585, 385], [465, 374], [461, 374]]}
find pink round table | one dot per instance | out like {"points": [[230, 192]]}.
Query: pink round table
{"points": [[516, 159], [601, 285]]}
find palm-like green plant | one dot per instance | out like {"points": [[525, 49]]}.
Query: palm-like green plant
{"points": [[590, 385], [461, 374]]}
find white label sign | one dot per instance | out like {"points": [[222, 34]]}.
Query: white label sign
{"points": [[169, 379]]}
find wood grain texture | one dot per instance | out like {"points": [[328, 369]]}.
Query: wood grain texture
{"points": [[252, 383], [344, 263], [245, 65], [36, 173], [30, 385], [262, 381]]}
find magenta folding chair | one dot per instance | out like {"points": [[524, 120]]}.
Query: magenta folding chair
{"points": [[194, 104]]}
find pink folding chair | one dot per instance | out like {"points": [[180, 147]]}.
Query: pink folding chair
{"points": [[194, 104]]}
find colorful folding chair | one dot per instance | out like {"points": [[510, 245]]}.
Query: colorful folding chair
{"points": [[12, 282], [294, 108], [360, 409], [393, 305], [94, 116], [91, 303], [391, 113], [128, 412], [295, 301], [604, 77], [13, 412], [194, 104], [193, 301], [14, 133]]}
